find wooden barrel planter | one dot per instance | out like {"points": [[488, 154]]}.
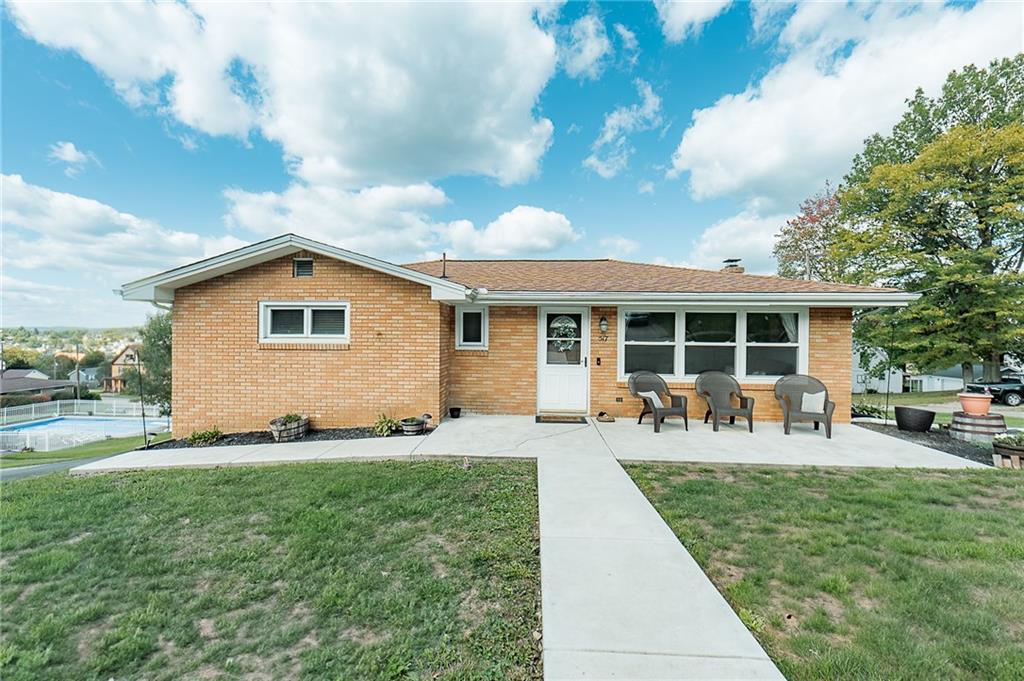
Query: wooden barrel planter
{"points": [[914, 420], [975, 428], [286, 431], [1006, 455]]}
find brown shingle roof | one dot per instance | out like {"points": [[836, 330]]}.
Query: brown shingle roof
{"points": [[618, 276]]}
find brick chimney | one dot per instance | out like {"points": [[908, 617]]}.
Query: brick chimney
{"points": [[733, 265]]}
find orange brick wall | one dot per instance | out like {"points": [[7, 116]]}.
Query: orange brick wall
{"points": [[224, 377], [831, 356], [503, 378], [830, 359]]}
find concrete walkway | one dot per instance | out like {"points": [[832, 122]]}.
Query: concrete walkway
{"points": [[621, 597], [522, 437]]}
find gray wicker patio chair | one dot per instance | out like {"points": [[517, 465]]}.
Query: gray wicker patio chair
{"points": [[718, 388], [790, 391], [648, 381]]}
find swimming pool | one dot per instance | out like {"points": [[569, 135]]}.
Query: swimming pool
{"points": [[67, 431]]}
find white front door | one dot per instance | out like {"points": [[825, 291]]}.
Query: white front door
{"points": [[563, 371]]}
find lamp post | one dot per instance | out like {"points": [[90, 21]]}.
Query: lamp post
{"points": [[131, 357]]}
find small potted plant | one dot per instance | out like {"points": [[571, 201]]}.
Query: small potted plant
{"points": [[975, 404], [289, 427], [1009, 444], [413, 425]]}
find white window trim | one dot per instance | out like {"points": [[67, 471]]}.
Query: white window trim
{"points": [[803, 346], [674, 344], [484, 324], [307, 321]]}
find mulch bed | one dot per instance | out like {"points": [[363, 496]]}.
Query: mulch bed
{"points": [[940, 440], [263, 437]]}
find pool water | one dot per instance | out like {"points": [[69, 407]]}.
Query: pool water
{"points": [[80, 425]]}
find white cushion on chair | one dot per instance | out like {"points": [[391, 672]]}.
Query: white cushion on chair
{"points": [[813, 403], [653, 397]]}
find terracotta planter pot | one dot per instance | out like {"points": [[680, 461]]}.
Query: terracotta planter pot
{"points": [[976, 404]]}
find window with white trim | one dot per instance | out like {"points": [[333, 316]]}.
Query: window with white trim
{"points": [[304, 322], [710, 342], [649, 342], [470, 327], [679, 343], [773, 343]]}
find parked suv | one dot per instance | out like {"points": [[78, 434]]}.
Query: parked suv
{"points": [[1009, 391]]}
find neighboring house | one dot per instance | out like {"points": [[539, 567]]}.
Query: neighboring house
{"points": [[125, 358], [295, 325], [25, 373], [864, 382], [27, 382], [89, 376]]}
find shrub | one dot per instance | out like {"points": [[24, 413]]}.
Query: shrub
{"points": [[1010, 439], [202, 438], [289, 418], [863, 409], [385, 425], [22, 400], [69, 394]]}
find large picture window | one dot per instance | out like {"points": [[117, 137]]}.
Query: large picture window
{"points": [[304, 322], [650, 342], [710, 342], [680, 343], [773, 342]]}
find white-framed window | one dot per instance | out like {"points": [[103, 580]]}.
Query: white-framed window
{"points": [[471, 327], [649, 341], [710, 342], [772, 343], [302, 267], [677, 342], [304, 322]]}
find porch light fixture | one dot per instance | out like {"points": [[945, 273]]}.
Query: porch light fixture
{"points": [[603, 324]]}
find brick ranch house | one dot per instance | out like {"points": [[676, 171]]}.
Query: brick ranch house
{"points": [[294, 325]]}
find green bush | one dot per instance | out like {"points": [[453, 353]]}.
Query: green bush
{"points": [[864, 409], [1010, 439], [21, 400], [69, 394], [289, 418], [385, 425], [203, 438]]}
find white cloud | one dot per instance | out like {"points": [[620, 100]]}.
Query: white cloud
{"points": [[70, 155], [645, 187], [618, 246], [611, 150], [681, 19], [355, 94], [587, 48], [746, 235], [524, 230], [778, 140], [630, 45], [50, 234], [385, 221]]}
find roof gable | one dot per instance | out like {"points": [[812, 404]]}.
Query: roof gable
{"points": [[160, 288]]}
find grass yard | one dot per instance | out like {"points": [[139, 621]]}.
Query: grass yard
{"points": [[867, 574], [117, 445], [353, 570]]}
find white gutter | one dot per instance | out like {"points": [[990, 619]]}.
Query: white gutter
{"points": [[867, 299]]}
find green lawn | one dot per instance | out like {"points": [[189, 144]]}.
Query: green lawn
{"points": [[868, 574], [343, 571], [109, 447]]}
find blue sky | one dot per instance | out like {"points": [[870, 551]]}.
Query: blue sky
{"points": [[139, 137]]}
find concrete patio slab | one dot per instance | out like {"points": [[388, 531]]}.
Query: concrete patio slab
{"points": [[370, 448], [286, 451], [508, 436], [619, 591], [850, 446]]}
